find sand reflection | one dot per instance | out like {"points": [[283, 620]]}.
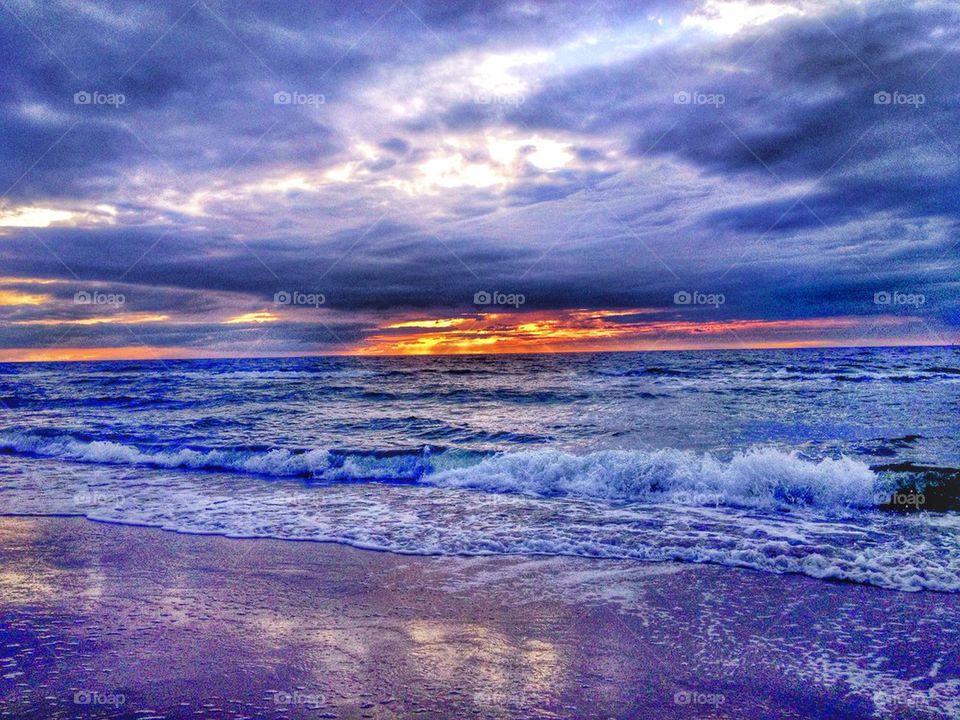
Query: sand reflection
{"points": [[495, 668]]}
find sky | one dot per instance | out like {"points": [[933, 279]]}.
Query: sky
{"points": [[201, 178]]}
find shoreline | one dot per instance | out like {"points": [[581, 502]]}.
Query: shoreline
{"points": [[208, 626], [671, 565]]}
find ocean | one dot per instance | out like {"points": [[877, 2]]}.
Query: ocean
{"points": [[835, 463]]}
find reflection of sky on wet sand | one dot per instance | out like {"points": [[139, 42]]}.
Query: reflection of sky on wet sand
{"points": [[37, 580], [164, 615], [187, 618], [26, 586], [329, 646], [501, 669]]}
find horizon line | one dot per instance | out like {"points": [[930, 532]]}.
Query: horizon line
{"points": [[745, 348]]}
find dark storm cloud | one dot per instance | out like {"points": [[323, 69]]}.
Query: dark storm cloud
{"points": [[796, 104], [845, 201], [198, 79], [198, 93], [253, 338], [793, 191]]}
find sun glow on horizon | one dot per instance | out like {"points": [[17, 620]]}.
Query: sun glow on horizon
{"points": [[95, 354], [596, 331]]}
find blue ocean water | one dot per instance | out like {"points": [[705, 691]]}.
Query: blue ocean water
{"points": [[837, 463]]}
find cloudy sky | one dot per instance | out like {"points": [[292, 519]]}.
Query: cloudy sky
{"points": [[216, 178]]}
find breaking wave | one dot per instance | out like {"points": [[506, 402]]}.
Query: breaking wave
{"points": [[760, 477]]}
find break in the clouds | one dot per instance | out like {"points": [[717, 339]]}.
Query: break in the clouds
{"points": [[212, 178]]}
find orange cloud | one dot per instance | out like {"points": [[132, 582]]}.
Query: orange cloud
{"points": [[436, 323], [598, 330], [636, 329], [12, 297], [10, 280], [251, 317], [125, 319]]}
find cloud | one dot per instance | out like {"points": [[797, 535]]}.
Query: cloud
{"points": [[398, 158]]}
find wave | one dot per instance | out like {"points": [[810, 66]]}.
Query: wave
{"points": [[760, 477], [668, 372], [910, 554], [133, 402], [275, 462], [763, 509]]}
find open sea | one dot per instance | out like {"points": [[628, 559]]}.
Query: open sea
{"points": [[839, 464]]}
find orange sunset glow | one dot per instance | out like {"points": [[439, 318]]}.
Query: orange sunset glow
{"points": [[596, 331], [73, 354], [638, 329]]}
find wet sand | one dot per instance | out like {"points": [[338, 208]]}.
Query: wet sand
{"points": [[103, 620]]}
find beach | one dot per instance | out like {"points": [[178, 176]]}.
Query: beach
{"points": [[570, 536], [540, 360], [103, 620]]}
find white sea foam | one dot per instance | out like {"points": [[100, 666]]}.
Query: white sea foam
{"points": [[903, 552], [176, 459], [274, 462], [760, 477], [277, 462]]}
